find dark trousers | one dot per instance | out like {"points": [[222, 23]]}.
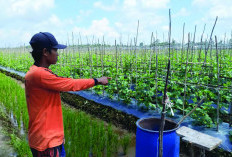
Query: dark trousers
{"points": [[50, 152]]}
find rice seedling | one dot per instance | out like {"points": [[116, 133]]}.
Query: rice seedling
{"points": [[125, 142]]}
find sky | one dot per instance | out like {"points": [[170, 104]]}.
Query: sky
{"points": [[88, 21]]}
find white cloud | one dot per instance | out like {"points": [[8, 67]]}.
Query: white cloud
{"points": [[200, 3], [127, 15], [22, 18], [155, 4], [100, 5], [13, 37], [118, 25], [182, 12], [98, 29], [53, 22], [129, 3], [20, 33], [211, 9], [148, 14], [55, 19], [219, 8], [25, 9], [165, 28], [31, 17], [82, 14], [223, 10]]}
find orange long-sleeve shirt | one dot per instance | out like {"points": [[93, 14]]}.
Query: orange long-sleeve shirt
{"points": [[43, 89]]}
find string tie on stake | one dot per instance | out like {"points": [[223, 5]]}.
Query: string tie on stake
{"points": [[169, 104]]}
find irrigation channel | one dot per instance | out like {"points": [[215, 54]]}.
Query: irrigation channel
{"points": [[197, 69]]}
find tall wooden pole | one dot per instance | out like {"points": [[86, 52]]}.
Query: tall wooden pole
{"points": [[164, 97]]}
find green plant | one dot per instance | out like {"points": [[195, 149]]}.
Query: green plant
{"points": [[141, 70], [230, 136], [21, 146], [125, 142]]}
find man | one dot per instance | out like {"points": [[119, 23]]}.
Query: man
{"points": [[43, 87]]}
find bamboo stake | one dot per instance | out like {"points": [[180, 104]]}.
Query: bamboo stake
{"points": [[230, 113], [104, 47], [90, 60], [64, 59], [231, 47], [102, 63], [182, 49], [151, 49], [224, 47], [120, 55], [196, 106], [80, 56], [210, 52], [116, 52], [165, 96], [144, 53], [230, 121], [99, 48], [204, 64], [135, 41], [199, 58], [131, 68], [185, 79], [163, 114], [177, 58], [218, 74], [210, 39], [156, 76], [72, 55], [193, 48]]}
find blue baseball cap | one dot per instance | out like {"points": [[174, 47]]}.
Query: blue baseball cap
{"points": [[45, 40]]}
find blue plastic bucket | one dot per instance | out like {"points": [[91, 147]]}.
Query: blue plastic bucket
{"points": [[147, 138]]}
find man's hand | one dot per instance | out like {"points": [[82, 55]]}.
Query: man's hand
{"points": [[103, 80]]}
